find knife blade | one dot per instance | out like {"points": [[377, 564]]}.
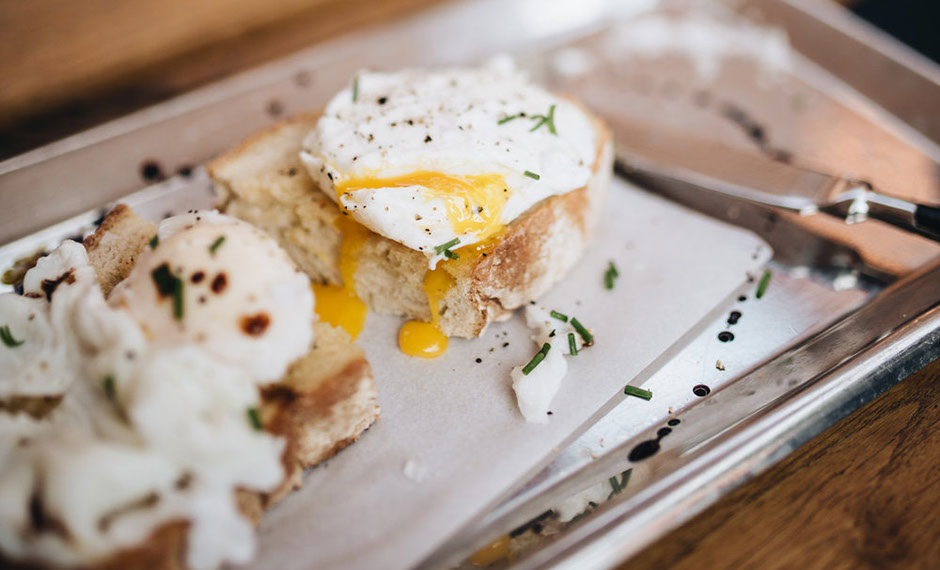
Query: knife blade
{"points": [[668, 157]]}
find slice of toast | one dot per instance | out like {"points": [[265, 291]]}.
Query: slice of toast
{"points": [[263, 182]]}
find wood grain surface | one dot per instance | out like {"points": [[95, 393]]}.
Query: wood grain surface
{"points": [[865, 494], [68, 65]]}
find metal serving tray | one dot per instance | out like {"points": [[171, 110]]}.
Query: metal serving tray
{"points": [[843, 319]]}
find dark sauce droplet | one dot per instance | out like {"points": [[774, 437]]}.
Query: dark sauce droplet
{"points": [[303, 78], [734, 317], [725, 336], [644, 450], [663, 432], [742, 298], [701, 390], [674, 422], [151, 171], [275, 108]]}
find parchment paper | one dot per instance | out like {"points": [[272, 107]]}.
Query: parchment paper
{"points": [[454, 421]]}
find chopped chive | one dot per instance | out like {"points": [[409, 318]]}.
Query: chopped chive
{"points": [[610, 275], [355, 93], [637, 392], [216, 244], [764, 282], [572, 345], [445, 246], [7, 337], [254, 419], [532, 175], [154, 241], [547, 120], [609, 279], [618, 486], [539, 357], [178, 301], [505, 120], [110, 390], [164, 280], [560, 316], [169, 285], [587, 336], [450, 255]]}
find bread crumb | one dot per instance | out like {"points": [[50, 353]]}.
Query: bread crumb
{"points": [[415, 471]]}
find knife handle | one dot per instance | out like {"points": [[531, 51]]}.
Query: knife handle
{"points": [[927, 218], [861, 203]]}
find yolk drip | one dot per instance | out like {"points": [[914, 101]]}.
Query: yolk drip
{"points": [[422, 339], [339, 305], [492, 552], [474, 202]]}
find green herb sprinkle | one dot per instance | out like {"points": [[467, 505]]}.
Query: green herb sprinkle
{"points": [[446, 246], [109, 386], [216, 244], [637, 392], [764, 283], [254, 418], [539, 357], [585, 334], [7, 337]]}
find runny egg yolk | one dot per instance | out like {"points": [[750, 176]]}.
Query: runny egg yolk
{"points": [[426, 340], [339, 305], [474, 202], [492, 552]]}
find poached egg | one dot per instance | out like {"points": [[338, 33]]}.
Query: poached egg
{"points": [[440, 160]]}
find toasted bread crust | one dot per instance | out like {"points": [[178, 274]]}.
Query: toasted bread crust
{"points": [[262, 181], [164, 550], [116, 243]]}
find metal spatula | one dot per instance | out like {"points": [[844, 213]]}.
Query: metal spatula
{"points": [[668, 156]]}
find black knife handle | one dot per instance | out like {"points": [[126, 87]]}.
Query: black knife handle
{"points": [[927, 218]]}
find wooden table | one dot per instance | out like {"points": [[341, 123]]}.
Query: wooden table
{"points": [[866, 493]]}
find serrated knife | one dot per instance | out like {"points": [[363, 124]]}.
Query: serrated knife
{"points": [[647, 154]]}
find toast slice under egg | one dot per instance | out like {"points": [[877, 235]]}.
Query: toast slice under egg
{"points": [[262, 181], [324, 402]]}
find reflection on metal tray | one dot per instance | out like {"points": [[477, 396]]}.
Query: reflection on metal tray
{"points": [[839, 323]]}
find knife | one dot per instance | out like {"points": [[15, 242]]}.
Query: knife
{"points": [[667, 157]]}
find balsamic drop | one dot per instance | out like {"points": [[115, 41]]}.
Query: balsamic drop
{"points": [[644, 450], [674, 421], [742, 298], [701, 390], [151, 171], [663, 432], [725, 336], [734, 317]]}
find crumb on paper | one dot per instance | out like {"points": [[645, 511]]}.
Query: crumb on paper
{"points": [[415, 471], [719, 365]]}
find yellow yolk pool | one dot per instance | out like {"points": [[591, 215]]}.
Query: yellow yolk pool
{"points": [[339, 305], [474, 202], [422, 339], [492, 552]]}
